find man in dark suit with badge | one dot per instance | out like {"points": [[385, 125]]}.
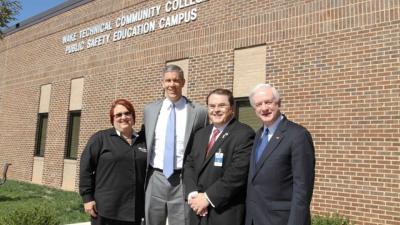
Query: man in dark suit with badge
{"points": [[215, 172], [282, 166]]}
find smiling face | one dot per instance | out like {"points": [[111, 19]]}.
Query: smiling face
{"points": [[267, 108], [173, 84], [219, 109], [123, 119]]}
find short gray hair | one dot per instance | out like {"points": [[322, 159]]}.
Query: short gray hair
{"points": [[258, 87], [173, 68]]}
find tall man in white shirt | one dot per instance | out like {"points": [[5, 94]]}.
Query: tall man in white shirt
{"points": [[169, 126]]}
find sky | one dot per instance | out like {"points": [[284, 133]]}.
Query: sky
{"points": [[33, 7]]}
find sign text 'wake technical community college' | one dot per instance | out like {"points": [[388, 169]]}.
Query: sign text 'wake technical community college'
{"points": [[133, 24]]}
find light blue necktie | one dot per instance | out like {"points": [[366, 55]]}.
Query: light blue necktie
{"points": [[169, 153], [262, 144]]}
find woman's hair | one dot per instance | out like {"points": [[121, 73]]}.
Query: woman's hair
{"points": [[127, 104]]}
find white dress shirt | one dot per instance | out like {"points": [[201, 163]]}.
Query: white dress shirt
{"points": [[221, 129], [272, 129], [157, 160]]}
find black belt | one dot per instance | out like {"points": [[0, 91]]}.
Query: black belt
{"points": [[178, 171]]}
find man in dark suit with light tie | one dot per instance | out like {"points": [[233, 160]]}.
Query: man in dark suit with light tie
{"points": [[281, 174], [215, 172], [169, 126]]}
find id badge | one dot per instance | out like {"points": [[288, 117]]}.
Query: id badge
{"points": [[218, 159]]}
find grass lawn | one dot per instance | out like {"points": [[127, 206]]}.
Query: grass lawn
{"points": [[67, 205]]}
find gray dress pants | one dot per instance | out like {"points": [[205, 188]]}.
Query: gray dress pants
{"points": [[165, 199]]}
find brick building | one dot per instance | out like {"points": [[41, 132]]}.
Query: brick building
{"points": [[336, 63]]}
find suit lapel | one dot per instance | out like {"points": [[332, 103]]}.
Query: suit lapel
{"points": [[204, 142], [222, 137], [272, 145], [191, 117], [253, 152], [153, 117]]}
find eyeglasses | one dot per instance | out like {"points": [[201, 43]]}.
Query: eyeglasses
{"points": [[119, 115], [220, 106]]}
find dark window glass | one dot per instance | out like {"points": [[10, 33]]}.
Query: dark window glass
{"points": [[245, 113], [73, 134], [41, 134]]}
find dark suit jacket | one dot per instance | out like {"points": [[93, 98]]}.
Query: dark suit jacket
{"points": [[280, 184], [226, 185]]}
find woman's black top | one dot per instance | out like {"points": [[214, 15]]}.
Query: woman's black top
{"points": [[112, 173]]}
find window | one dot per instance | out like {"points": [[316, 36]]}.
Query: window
{"points": [[245, 113], [249, 69], [41, 134], [73, 134]]}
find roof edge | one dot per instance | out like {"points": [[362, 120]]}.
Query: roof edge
{"points": [[57, 10]]}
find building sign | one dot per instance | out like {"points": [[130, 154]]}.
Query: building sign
{"points": [[133, 24]]}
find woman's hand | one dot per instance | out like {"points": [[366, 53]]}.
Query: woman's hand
{"points": [[90, 208]]}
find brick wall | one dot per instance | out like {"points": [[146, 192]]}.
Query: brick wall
{"points": [[336, 64]]}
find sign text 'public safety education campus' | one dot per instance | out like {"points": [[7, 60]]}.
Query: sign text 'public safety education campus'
{"points": [[133, 24]]}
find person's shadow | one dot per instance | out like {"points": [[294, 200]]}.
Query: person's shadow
{"points": [[5, 198], [9, 199]]}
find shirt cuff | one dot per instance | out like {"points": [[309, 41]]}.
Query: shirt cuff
{"points": [[209, 201], [192, 194], [87, 198]]}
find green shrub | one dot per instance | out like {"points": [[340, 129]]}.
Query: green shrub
{"points": [[37, 215], [67, 205], [333, 219]]}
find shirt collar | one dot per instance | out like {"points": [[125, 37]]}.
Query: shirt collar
{"points": [[179, 104], [275, 125], [134, 134], [222, 128]]}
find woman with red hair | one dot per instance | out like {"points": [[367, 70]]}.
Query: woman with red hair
{"points": [[112, 170]]}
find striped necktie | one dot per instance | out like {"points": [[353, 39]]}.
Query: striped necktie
{"points": [[212, 141]]}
